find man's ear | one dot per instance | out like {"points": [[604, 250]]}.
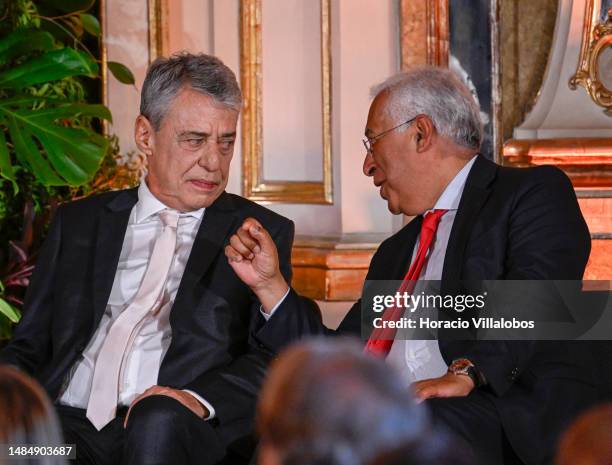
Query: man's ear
{"points": [[425, 133], [144, 135]]}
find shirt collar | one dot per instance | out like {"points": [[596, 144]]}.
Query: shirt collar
{"points": [[449, 200], [149, 205]]}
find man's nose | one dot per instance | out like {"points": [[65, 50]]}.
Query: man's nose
{"points": [[210, 158], [369, 167]]}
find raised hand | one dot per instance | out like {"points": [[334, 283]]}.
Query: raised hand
{"points": [[253, 256]]}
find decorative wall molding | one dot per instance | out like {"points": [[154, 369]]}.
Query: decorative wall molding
{"points": [[564, 128], [158, 28], [104, 61], [333, 268], [595, 41], [255, 187], [586, 161], [424, 32]]}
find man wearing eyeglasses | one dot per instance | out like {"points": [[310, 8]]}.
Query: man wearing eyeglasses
{"points": [[473, 220]]}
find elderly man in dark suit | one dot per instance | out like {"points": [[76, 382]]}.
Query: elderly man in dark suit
{"points": [[133, 304], [474, 220]]}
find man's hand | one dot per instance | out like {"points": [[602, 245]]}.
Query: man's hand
{"points": [[253, 256], [449, 385], [183, 397]]}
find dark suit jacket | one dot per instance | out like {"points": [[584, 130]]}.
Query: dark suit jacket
{"points": [[220, 345], [519, 224]]}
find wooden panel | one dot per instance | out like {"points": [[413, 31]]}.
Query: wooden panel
{"points": [[332, 269], [600, 262], [597, 212], [424, 32], [588, 162]]}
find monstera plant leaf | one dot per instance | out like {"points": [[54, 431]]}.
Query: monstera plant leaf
{"points": [[44, 135]]}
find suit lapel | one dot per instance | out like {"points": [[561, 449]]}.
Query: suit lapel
{"points": [[410, 234], [112, 225], [475, 194], [218, 222]]}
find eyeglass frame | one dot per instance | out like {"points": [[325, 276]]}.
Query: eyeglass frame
{"points": [[368, 142]]}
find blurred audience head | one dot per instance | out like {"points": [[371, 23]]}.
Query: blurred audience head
{"points": [[431, 449], [588, 441], [325, 402], [26, 415]]}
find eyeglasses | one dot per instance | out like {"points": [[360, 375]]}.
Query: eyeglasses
{"points": [[369, 142]]}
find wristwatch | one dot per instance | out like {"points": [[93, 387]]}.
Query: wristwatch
{"points": [[462, 366]]}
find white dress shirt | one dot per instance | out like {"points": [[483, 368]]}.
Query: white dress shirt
{"points": [[141, 365], [414, 359]]}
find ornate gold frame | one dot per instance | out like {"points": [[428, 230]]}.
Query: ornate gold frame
{"points": [[103, 64], [594, 41], [158, 30], [253, 184]]}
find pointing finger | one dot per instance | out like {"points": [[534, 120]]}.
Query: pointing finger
{"points": [[239, 246], [259, 233], [248, 240], [232, 254]]}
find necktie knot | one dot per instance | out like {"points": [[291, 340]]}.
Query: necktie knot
{"points": [[432, 219], [169, 218]]}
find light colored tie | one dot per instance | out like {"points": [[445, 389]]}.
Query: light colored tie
{"points": [[103, 398]]}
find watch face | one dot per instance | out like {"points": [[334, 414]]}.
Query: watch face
{"points": [[461, 365]]}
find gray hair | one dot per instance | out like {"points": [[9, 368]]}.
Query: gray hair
{"points": [[439, 94], [204, 73]]}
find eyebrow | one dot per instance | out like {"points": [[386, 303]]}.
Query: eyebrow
{"points": [[193, 133], [205, 134]]}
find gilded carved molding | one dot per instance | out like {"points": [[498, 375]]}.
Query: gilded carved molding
{"points": [[585, 160], [158, 30], [104, 63], [255, 187], [595, 40]]}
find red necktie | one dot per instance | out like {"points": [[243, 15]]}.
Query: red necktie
{"points": [[381, 340]]}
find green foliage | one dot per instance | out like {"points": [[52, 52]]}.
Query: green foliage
{"points": [[51, 141], [9, 315], [90, 24], [9, 311], [121, 72]]}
